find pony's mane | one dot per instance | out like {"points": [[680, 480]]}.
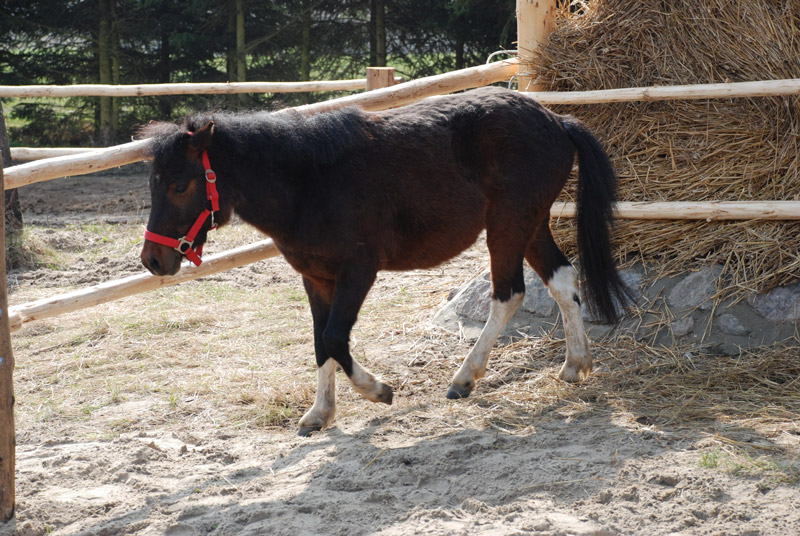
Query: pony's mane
{"points": [[164, 136], [280, 139]]}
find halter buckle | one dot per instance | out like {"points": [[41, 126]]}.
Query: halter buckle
{"points": [[183, 242], [211, 176]]}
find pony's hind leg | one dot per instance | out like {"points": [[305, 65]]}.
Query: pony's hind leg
{"points": [[508, 290], [561, 280]]}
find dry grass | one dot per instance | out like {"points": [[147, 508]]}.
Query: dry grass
{"points": [[663, 387], [236, 352], [737, 149]]}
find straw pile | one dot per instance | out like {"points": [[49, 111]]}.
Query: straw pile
{"points": [[735, 149]]}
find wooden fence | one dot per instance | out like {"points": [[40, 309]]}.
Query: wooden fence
{"points": [[88, 161]]}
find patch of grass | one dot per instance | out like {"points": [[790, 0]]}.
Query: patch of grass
{"points": [[710, 459], [745, 463], [27, 251], [114, 391], [174, 398]]}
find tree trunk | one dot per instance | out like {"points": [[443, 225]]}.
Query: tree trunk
{"points": [[241, 55], [305, 50], [7, 434], [13, 210], [230, 59], [305, 46], [459, 53], [115, 103], [377, 54], [164, 72], [104, 59]]}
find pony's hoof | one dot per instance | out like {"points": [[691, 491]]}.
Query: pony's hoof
{"points": [[458, 391], [385, 394], [306, 431], [573, 374]]}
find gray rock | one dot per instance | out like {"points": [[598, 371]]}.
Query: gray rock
{"points": [[683, 326], [729, 324], [781, 304], [474, 301], [696, 290], [537, 299]]}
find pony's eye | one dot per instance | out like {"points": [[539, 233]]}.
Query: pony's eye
{"points": [[181, 188]]}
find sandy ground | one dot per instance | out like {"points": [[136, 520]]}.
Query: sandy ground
{"points": [[173, 429]]}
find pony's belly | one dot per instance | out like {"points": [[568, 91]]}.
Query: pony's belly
{"points": [[428, 251]]}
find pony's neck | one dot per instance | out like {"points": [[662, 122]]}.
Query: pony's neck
{"points": [[260, 194]]}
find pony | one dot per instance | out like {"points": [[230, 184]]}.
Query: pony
{"points": [[348, 193]]}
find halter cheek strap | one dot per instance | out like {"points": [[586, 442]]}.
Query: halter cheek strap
{"points": [[184, 245]]}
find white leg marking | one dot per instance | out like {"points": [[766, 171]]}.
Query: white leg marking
{"points": [[474, 366], [563, 287], [366, 384], [323, 411]]}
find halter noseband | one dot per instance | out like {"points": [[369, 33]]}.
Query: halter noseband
{"points": [[184, 245]]}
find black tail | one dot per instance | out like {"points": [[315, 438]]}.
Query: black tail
{"points": [[606, 294]]}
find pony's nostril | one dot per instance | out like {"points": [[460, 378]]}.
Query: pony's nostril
{"points": [[153, 264]]}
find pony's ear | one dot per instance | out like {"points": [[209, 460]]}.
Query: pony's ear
{"points": [[200, 139]]}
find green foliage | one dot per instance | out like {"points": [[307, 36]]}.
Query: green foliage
{"points": [[159, 41], [43, 124]]}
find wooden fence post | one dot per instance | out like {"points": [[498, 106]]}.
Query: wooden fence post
{"points": [[378, 77], [535, 21], [7, 435]]}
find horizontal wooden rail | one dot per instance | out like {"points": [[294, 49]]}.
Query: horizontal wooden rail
{"points": [[408, 92], [694, 210], [142, 90], [136, 284], [113, 290], [40, 153], [379, 99], [76, 164], [766, 88]]}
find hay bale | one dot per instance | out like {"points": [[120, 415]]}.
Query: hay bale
{"points": [[734, 149]]}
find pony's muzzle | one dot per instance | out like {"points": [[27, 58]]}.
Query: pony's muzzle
{"points": [[160, 260]]}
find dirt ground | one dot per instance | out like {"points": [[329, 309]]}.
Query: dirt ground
{"points": [[175, 412]]}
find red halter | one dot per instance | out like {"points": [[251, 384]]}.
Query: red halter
{"points": [[184, 244]]}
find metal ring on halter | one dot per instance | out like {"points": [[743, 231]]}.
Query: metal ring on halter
{"points": [[183, 242]]}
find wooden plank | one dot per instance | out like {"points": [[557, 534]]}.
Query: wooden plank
{"points": [[408, 92], [39, 153], [694, 210], [76, 164], [136, 284], [378, 77], [7, 430], [141, 90], [764, 88], [379, 99], [535, 22]]}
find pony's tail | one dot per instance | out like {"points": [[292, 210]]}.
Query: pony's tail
{"points": [[606, 294]]}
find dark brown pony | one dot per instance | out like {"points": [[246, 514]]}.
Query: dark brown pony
{"points": [[347, 193]]}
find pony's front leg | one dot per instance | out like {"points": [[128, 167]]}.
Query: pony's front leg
{"points": [[321, 414], [323, 411], [352, 285]]}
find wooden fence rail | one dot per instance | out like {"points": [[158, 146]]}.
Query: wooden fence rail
{"points": [[388, 97], [378, 99], [136, 284], [40, 153], [693, 210], [142, 90], [731, 90]]}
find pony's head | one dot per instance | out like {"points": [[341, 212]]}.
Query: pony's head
{"points": [[182, 189]]}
